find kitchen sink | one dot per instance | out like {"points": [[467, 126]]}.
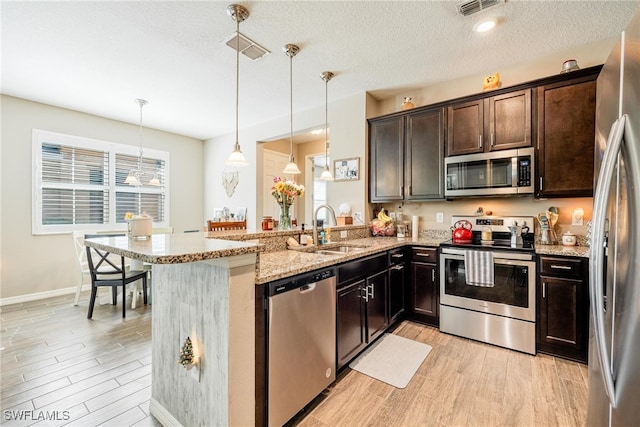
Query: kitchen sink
{"points": [[339, 250]]}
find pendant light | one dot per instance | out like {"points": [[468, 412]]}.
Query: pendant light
{"points": [[326, 174], [238, 13], [291, 168], [135, 175]]}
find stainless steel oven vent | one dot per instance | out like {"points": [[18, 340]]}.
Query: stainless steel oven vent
{"points": [[248, 47], [470, 7]]}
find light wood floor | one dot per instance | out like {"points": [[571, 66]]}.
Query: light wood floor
{"points": [[54, 360]]}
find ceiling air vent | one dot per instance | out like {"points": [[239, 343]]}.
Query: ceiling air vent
{"points": [[470, 7], [248, 47]]}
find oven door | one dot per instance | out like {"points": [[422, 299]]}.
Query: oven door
{"points": [[513, 294]]}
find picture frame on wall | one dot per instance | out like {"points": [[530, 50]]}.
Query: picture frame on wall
{"points": [[346, 169]]}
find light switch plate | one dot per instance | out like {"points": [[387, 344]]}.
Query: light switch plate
{"points": [[440, 217]]}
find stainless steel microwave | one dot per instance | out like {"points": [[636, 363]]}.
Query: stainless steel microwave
{"points": [[485, 174]]}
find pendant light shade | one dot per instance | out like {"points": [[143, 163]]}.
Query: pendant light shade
{"points": [[326, 174], [291, 168], [238, 13]]}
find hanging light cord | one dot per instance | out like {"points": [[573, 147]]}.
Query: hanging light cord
{"points": [[141, 102], [326, 123], [291, 107], [237, 77]]}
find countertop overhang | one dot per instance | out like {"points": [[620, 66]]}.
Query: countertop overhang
{"points": [[174, 248]]}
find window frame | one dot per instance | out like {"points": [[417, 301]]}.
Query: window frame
{"points": [[40, 137]]}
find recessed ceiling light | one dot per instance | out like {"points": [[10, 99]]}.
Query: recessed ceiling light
{"points": [[316, 131], [484, 26]]}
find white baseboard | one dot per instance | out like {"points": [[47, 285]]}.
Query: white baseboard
{"points": [[162, 415], [42, 295]]}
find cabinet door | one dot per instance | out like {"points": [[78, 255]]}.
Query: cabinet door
{"points": [[465, 127], [377, 319], [386, 163], [350, 321], [396, 291], [425, 289], [510, 120], [562, 322], [424, 160], [566, 134]]}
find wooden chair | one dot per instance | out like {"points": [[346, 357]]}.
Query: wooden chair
{"points": [[226, 225], [105, 272]]}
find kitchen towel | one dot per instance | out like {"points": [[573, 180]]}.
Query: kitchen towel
{"points": [[414, 227], [478, 268]]}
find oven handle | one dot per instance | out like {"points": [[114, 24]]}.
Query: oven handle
{"points": [[501, 256]]}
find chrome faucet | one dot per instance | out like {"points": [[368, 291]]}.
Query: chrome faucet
{"points": [[315, 221]]}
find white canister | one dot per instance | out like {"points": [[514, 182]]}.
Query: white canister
{"points": [[569, 239], [140, 228]]}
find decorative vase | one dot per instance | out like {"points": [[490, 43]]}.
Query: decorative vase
{"points": [[285, 217]]}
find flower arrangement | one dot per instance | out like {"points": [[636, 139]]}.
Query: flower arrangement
{"points": [[285, 191], [131, 215]]}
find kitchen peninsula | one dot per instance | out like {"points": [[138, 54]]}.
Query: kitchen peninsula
{"points": [[203, 289]]}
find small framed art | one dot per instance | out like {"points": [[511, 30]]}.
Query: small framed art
{"points": [[346, 169]]}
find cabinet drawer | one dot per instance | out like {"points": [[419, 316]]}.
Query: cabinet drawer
{"points": [[565, 267], [397, 256], [361, 268], [424, 255]]}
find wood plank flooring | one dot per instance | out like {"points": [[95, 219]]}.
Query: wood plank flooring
{"points": [[57, 364]]}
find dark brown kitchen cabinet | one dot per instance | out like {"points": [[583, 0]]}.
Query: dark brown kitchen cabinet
{"points": [[406, 156], [386, 159], [563, 307], [565, 138], [498, 122], [425, 290], [424, 155], [362, 305], [397, 284]]}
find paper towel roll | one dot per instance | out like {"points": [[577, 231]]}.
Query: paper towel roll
{"points": [[414, 227]]}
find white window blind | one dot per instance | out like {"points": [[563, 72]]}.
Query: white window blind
{"points": [[79, 184]]}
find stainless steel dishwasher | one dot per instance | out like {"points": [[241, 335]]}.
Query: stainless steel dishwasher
{"points": [[301, 342]]}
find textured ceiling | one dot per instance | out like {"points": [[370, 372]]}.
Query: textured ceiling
{"points": [[97, 57]]}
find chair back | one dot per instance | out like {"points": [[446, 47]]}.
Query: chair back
{"points": [[104, 265], [226, 225]]}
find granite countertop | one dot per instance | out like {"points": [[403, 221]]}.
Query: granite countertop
{"points": [[281, 264], [577, 251], [174, 248]]}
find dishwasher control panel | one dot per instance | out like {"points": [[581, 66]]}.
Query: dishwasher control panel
{"points": [[299, 281]]}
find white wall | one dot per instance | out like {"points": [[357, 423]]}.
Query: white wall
{"points": [[348, 125], [32, 265]]}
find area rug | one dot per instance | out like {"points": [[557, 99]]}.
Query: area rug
{"points": [[392, 359]]}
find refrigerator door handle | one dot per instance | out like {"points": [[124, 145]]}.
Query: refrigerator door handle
{"points": [[603, 188]]}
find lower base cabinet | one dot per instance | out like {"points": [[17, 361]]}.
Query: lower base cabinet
{"points": [[563, 307], [425, 289], [362, 305]]}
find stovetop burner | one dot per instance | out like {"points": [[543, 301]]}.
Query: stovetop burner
{"points": [[501, 235]]}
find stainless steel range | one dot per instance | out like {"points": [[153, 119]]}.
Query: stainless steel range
{"points": [[487, 287]]}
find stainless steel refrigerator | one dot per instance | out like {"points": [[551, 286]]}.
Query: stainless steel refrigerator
{"points": [[614, 339]]}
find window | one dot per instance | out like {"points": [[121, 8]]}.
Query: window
{"points": [[79, 184]]}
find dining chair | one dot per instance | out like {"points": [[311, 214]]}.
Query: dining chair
{"points": [[226, 225], [105, 271]]}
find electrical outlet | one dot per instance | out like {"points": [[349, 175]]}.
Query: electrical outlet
{"points": [[343, 234], [358, 216], [439, 216]]}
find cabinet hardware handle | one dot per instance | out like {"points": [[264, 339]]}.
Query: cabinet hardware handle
{"points": [[397, 256], [365, 297], [544, 289], [422, 254], [397, 267], [372, 291], [410, 190], [493, 139], [433, 275], [480, 141], [540, 183], [560, 267]]}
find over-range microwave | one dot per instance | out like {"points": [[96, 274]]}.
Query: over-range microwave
{"points": [[496, 173]]}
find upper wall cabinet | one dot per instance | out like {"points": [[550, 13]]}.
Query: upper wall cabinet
{"points": [[495, 123], [406, 156], [565, 136]]}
